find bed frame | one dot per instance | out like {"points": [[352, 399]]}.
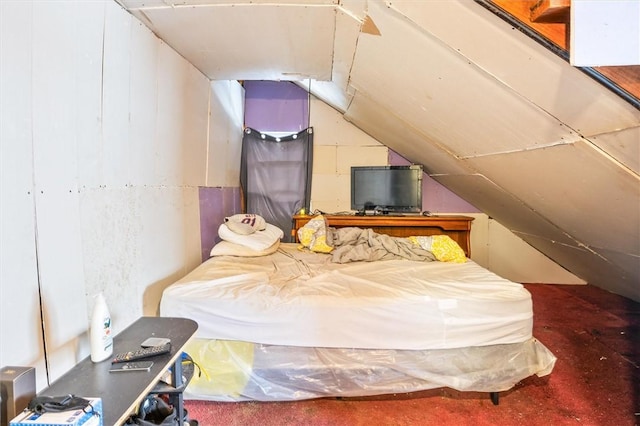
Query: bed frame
{"points": [[456, 227]]}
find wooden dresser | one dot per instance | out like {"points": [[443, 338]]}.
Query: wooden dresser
{"points": [[456, 227]]}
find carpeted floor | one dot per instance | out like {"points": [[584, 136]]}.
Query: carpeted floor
{"points": [[596, 380]]}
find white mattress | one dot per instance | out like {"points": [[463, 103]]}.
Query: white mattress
{"points": [[297, 298]]}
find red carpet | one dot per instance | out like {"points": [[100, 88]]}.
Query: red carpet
{"points": [[596, 380]]}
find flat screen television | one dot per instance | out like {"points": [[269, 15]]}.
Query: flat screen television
{"points": [[386, 189]]}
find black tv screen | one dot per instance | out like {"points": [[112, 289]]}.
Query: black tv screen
{"points": [[387, 188]]}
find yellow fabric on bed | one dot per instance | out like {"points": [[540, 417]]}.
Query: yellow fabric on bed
{"points": [[443, 247], [315, 236], [226, 366]]}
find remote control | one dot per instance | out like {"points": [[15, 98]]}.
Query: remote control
{"points": [[142, 353], [131, 366]]}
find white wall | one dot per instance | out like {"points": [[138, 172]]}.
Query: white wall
{"points": [[19, 305], [225, 137], [338, 145], [103, 145]]}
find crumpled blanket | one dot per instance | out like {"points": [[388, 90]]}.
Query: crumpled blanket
{"points": [[358, 244]]}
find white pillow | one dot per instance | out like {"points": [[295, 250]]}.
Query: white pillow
{"points": [[259, 240], [226, 248]]}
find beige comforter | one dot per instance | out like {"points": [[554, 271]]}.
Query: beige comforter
{"points": [[358, 244]]}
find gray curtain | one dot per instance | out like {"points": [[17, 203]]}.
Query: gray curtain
{"points": [[275, 176]]}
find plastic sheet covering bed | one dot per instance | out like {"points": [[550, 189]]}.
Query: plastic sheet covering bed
{"points": [[297, 298], [241, 371]]}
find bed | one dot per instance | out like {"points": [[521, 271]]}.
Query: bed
{"points": [[328, 318]]}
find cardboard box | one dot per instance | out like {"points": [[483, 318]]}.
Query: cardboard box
{"points": [[62, 418]]}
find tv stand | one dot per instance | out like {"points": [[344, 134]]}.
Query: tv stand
{"points": [[456, 227]]}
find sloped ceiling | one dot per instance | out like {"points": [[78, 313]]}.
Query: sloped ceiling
{"points": [[492, 115]]}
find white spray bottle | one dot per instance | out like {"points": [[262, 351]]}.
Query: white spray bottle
{"points": [[100, 334]]}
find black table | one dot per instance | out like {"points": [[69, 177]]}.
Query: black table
{"points": [[122, 392]]}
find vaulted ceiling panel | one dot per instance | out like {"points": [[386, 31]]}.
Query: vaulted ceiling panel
{"points": [[575, 186], [250, 41], [523, 64], [150, 4], [613, 271], [623, 265], [623, 145], [336, 92], [442, 94], [505, 207], [383, 125]]}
